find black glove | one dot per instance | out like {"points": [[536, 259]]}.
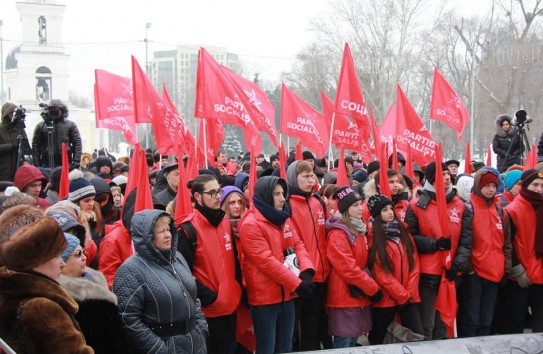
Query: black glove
{"points": [[307, 275], [305, 289], [504, 279], [205, 294], [355, 291], [451, 273], [378, 296], [443, 243]]}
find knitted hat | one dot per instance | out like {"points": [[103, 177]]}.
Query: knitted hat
{"points": [[80, 187], [345, 197], [7, 108], [487, 178], [308, 155], [529, 176], [373, 166], [66, 207], [359, 176], [33, 245], [226, 191], [464, 185], [242, 181], [511, 178], [27, 174], [376, 203], [66, 223], [273, 158], [73, 242], [430, 172], [16, 217]]}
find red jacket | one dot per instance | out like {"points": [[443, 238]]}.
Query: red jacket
{"points": [[308, 218], [115, 248], [523, 215], [348, 263], [268, 280], [214, 264], [489, 246]]}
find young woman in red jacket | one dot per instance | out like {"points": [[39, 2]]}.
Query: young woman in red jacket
{"points": [[393, 260], [353, 287]]}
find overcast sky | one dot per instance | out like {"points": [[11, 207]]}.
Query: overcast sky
{"points": [[101, 34]]}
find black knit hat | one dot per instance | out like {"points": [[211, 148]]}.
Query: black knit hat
{"points": [[376, 203], [345, 197], [529, 176], [430, 172], [308, 155], [373, 166]]}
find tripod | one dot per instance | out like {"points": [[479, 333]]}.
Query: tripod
{"points": [[521, 139], [23, 146]]}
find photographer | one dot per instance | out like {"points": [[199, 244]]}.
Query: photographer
{"points": [[63, 131], [506, 143], [11, 128]]}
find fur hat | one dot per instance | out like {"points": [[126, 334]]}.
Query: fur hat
{"points": [[73, 242], [529, 176], [33, 245], [430, 172], [345, 197], [376, 203], [104, 161], [80, 187], [17, 198], [8, 108], [16, 217]]}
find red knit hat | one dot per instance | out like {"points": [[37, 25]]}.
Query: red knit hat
{"points": [[487, 178]]}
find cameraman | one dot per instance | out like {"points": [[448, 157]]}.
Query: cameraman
{"points": [[10, 129], [506, 140], [64, 131]]}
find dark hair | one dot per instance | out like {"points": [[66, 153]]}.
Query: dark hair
{"points": [[379, 245], [197, 185]]}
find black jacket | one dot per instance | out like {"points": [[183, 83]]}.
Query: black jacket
{"points": [[503, 141], [8, 148], [64, 131]]}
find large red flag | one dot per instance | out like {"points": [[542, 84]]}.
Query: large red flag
{"points": [[214, 134], [531, 158], [282, 161], [405, 127], [489, 155], [300, 120], [446, 297], [409, 170], [221, 93], [376, 138], [299, 154], [185, 139], [467, 163], [64, 188], [349, 96], [395, 165], [342, 178], [446, 106], [114, 104], [133, 171], [183, 205], [384, 188], [144, 200]]}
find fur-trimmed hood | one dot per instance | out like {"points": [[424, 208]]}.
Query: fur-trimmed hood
{"points": [[92, 288], [499, 121]]}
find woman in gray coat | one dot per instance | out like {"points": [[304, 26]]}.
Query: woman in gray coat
{"points": [[156, 291]]}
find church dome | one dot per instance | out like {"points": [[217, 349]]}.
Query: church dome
{"points": [[11, 59]]}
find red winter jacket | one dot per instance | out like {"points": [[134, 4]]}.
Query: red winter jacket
{"points": [[115, 248], [268, 280], [402, 284], [308, 218], [348, 263], [214, 264], [523, 216]]}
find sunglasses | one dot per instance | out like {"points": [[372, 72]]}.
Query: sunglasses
{"points": [[79, 253]]}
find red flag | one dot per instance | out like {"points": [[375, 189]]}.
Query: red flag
{"points": [[489, 155], [349, 96], [384, 188], [134, 167], [114, 104], [531, 158], [376, 138], [221, 93], [299, 154], [252, 174], [166, 125], [300, 120], [405, 127], [64, 188], [409, 170], [446, 106], [446, 297], [467, 164], [144, 200], [245, 334], [282, 161], [342, 178], [187, 142], [395, 157], [183, 205], [214, 134]]}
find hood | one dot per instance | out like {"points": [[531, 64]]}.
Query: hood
{"points": [[27, 174], [264, 187], [291, 174], [142, 233], [477, 181], [499, 120]]}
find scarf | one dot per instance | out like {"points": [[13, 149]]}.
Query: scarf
{"points": [[358, 225], [392, 230], [214, 217], [276, 217], [536, 199]]}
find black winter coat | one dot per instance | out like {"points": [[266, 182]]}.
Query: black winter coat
{"points": [[8, 149], [503, 140], [64, 131]]}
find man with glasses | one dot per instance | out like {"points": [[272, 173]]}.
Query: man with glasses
{"points": [[205, 240], [308, 218]]}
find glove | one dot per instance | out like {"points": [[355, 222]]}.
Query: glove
{"points": [[206, 295], [378, 296], [443, 243], [355, 291], [305, 289], [451, 273], [523, 280], [307, 275]]}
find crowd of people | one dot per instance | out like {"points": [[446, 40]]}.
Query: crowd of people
{"points": [[301, 264]]}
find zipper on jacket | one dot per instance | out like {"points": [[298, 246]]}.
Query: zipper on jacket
{"points": [[315, 235]]}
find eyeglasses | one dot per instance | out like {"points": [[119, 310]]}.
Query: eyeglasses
{"points": [[214, 193], [79, 253]]}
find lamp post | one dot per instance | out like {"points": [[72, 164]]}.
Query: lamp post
{"points": [[1, 64]]}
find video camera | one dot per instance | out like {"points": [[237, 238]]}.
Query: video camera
{"points": [[521, 118], [19, 114], [49, 113]]}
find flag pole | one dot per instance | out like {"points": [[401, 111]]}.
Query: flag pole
{"points": [[205, 140], [330, 155]]}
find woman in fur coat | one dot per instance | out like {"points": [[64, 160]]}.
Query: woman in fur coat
{"points": [[506, 140], [98, 315], [36, 314]]}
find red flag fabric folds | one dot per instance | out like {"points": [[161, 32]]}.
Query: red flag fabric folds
{"points": [[64, 188], [300, 120], [446, 106], [342, 178], [114, 103], [214, 134], [467, 164], [384, 188], [489, 155], [185, 139], [183, 205]]}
